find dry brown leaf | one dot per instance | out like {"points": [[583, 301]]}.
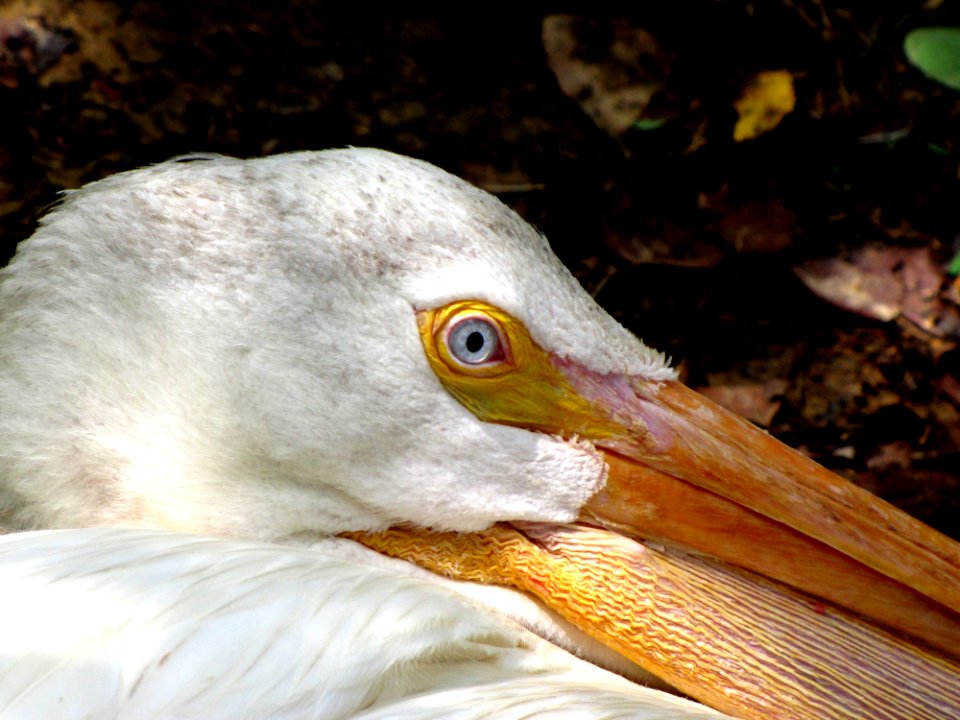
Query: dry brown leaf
{"points": [[754, 401], [497, 181], [886, 283], [613, 87], [950, 386], [922, 305], [895, 454], [855, 286]]}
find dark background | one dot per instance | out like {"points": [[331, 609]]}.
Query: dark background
{"points": [[708, 248]]}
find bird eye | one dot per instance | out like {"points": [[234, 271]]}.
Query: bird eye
{"points": [[475, 341]]}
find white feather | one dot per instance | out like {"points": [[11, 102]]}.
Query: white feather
{"points": [[115, 623], [230, 347]]}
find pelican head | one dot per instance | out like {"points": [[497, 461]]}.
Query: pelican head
{"points": [[349, 341], [234, 346]]}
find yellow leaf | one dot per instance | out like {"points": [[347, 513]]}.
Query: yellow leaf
{"points": [[764, 102]]}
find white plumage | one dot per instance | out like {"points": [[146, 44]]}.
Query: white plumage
{"points": [[104, 623], [229, 347]]}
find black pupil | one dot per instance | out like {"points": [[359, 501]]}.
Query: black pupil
{"points": [[474, 341]]}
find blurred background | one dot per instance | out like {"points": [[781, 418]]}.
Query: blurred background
{"points": [[768, 192]]}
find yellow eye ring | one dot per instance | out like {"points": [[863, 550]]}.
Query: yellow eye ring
{"points": [[523, 387], [469, 338]]}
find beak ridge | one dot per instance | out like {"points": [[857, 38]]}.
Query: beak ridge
{"points": [[685, 471]]}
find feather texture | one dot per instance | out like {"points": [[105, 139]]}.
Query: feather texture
{"points": [[142, 624]]}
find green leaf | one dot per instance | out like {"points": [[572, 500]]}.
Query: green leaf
{"points": [[954, 267], [936, 51], [646, 124]]}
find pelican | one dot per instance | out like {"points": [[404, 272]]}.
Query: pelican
{"points": [[334, 434]]}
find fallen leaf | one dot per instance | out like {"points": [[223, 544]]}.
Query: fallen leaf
{"points": [[754, 401], [950, 386], [497, 181], [895, 454], [887, 283], [847, 452], [855, 287], [767, 98], [936, 51], [922, 280], [614, 79]]}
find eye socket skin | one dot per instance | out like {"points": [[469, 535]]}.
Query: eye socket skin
{"points": [[471, 339], [515, 382], [474, 340]]}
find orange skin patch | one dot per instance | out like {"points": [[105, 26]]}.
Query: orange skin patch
{"points": [[742, 645]]}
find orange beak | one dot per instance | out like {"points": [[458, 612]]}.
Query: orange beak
{"points": [[708, 480], [735, 568]]}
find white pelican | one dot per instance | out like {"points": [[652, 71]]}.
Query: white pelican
{"points": [[298, 354]]}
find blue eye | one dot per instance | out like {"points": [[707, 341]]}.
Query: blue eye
{"points": [[475, 341]]}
